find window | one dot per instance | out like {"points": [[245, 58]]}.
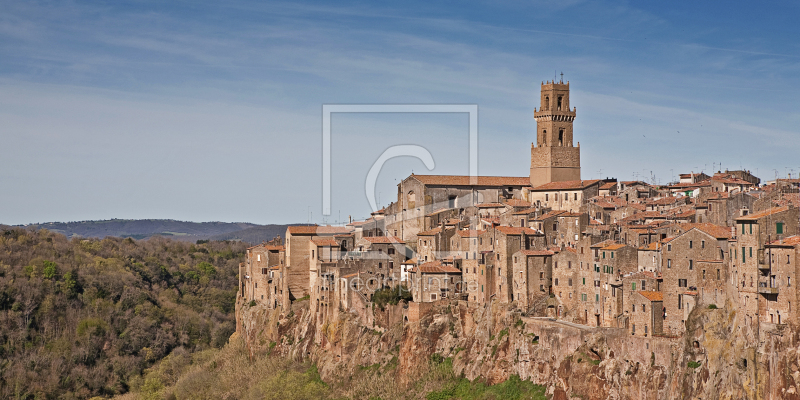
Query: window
{"points": [[263, 271], [312, 253], [704, 274], [717, 274], [612, 254], [633, 285], [643, 308], [547, 198], [576, 199], [702, 244], [669, 247], [779, 228], [569, 263], [669, 263], [584, 281], [390, 251], [743, 254], [433, 296], [597, 298], [751, 228], [690, 244], [681, 282], [691, 265], [541, 275], [555, 265], [643, 284], [259, 257], [556, 281], [604, 254], [570, 282], [751, 252]]}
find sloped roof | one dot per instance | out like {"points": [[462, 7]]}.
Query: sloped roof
{"points": [[719, 232], [431, 232], [512, 230], [469, 233], [435, 267], [788, 241], [464, 180], [615, 246], [325, 242], [490, 205], [537, 252], [517, 203], [316, 230], [383, 239], [566, 185], [753, 217], [652, 296]]}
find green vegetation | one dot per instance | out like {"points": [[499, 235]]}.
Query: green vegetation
{"points": [[392, 296], [85, 317], [693, 364], [712, 306], [512, 389]]}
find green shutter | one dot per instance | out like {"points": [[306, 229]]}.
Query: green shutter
{"points": [[751, 228], [779, 228], [584, 281], [633, 286], [742, 228], [743, 254]]}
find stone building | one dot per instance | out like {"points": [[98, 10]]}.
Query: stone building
{"points": [[564, 195], [680, 258], [255, 280], [565, 282], [748, 264], [553, 156], [299, 255], [434, 281], [532, 277], [779, 295], [647, 316], [421, 195]]}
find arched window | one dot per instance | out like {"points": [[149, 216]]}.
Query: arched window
{"points": [[544, 137], [560, 137], [559, 103], [412, 199], [546, 102]]}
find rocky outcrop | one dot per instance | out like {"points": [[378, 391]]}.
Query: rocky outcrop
{"points": [[718, 358]]}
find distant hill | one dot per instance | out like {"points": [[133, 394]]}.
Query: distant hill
{"points": [[180, 230]]}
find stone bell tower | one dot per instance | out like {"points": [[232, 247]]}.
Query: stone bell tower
{"points": [[553, 157]]}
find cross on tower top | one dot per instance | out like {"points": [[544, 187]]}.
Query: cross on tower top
{"points": [[562, 76]]}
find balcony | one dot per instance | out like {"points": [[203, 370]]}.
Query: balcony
{"points": [[767, 288]]}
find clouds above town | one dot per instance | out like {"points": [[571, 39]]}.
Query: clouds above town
{"points": [[210, 111]]}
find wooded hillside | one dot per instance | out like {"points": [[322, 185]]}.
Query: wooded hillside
{"points": [[80, 318]]}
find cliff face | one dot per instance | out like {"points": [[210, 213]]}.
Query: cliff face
{"points": [[714, 360]]}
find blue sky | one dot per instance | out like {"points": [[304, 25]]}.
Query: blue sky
{"points": [[212, 110]]}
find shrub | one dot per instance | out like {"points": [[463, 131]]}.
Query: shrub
{"points": [[693, 364], [712, 306]]}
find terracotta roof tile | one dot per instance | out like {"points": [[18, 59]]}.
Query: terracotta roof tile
{"points": [[316, 230], [383, 239], [469, 233], [652, 296], [511, 230], [615, 246], [517, 203], [325, 242], [461, 180], [788, 241], [537, 252], [566, 185], [753, 217], [719, 232], [435, 267], [490, 205]]}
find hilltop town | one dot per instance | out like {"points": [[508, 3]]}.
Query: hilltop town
{"points": [[598, 252], [625, 256]]}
